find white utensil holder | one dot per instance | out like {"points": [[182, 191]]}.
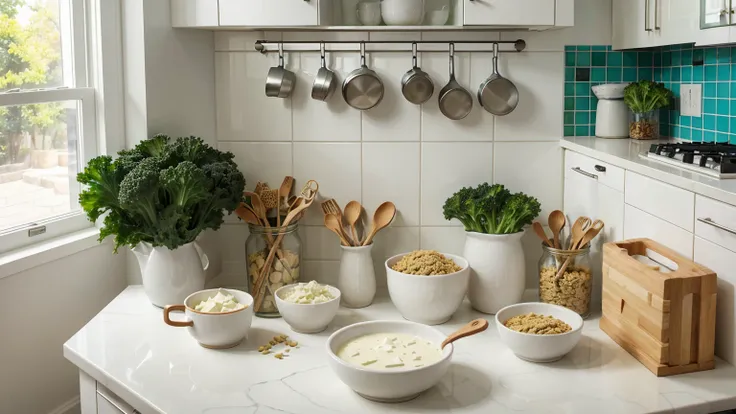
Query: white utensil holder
{"points": [[357, 278]]}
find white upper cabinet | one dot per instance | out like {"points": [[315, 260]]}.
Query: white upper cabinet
{"points": [[632, 24], [272, 13], [509, 12], [194, 13]]}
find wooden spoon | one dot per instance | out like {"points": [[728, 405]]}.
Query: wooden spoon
{"points": [[247, 215], [352, 213], [556, 223], [578, 231], [383, 216], [258, 207], [332, 222], [539, 230], [590, 234], [472, 328], [284, 192]]}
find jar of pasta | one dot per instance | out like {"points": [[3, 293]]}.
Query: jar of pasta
{"points": [[264, 275], [565, 278]]}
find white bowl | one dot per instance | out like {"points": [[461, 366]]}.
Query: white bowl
{"points": [[609, 90], [402, 12], [540, 348], [430, 300], [398, 385], [307, 318], [214, 330]]}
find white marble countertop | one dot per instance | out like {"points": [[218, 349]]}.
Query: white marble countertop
{"points": [[160, 369], [624, 153]]}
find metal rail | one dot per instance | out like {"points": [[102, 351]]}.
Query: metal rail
{"points": [[269, 46]]}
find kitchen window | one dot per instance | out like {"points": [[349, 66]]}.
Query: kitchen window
{"points": [[51, 79]]}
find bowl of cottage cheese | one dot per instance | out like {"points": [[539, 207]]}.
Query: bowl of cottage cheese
{"points": [[308, 307]]}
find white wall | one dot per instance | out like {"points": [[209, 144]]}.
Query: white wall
{"points": [[39, 310], [397, 151]]}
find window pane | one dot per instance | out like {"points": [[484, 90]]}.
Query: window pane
{"points": [[38, 162], [35, 44]]}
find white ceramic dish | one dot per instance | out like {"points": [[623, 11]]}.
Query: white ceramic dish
{"points": [[214, 330], [431, 300], [402, 12], [401, 384], [610, 90], [307, 318], [540, 348]]}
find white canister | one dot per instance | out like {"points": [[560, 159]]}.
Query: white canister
{"points": [[357, 278], [497, 270], [369, 13], [402, 12]]}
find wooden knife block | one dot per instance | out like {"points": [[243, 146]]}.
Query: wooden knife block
{"points": [[665, 320]]}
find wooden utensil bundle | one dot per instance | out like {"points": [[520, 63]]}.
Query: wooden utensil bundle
{"points": [[335, 221]]}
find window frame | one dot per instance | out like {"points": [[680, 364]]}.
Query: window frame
{"points": [[98, 75]]}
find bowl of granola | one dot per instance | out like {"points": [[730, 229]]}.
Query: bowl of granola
{"points": [[427, 286], [539, 332]]}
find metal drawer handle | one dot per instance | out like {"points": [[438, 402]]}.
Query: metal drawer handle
{"points": [[585, 173], [710, 222], [646, 16], [656, 15], [110, 399], [600, 168]]}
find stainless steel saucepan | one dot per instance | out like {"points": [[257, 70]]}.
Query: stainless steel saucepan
{"points": [[455, 101], [280, 81], [416, 85], [325, 82], [362, 89], [497, 94]]}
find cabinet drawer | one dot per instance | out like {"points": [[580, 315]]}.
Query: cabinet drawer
{"points": [[716, 222], [602, 172], [662, 200], [109, 403], [638, 224], [721, 261]]}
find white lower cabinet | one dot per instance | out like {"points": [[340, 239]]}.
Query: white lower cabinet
{"points": [[723, 262], [95, 398], [639, 224]]}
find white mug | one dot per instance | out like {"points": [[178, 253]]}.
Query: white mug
{"points": [[369, 13], [437, 17]]}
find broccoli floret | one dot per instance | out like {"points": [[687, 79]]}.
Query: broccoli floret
{"points": [[139, 191], [185, 185], [194, 149], [456, 207], [519, 211]]}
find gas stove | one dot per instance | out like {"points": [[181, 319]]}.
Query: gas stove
{"points": [[713, 160]]}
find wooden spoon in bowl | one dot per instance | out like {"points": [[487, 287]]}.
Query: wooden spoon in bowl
{"points": [[472, 328], [352, 213], [556, 223], [383, 216]]}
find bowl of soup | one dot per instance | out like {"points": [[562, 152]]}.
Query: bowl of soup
{"points": [[389, 361]]}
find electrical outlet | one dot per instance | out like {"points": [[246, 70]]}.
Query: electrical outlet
{"points": [[691, 100]]}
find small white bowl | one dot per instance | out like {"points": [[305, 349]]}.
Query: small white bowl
{"points": [[431, 300], [214, 330], [307, 318], [399, 385], [540, 348]]}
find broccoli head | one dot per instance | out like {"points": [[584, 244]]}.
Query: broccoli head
{"points": [[519, 211], [139, 191]]}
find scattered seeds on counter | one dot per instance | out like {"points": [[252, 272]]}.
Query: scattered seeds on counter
{"points": [[279, 356], [287, 350]]}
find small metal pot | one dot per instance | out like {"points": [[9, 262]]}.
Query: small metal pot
{"points": [[325, 82], [279, 81], [416, 85], [362, 89], [497, 94], [455, 102]]}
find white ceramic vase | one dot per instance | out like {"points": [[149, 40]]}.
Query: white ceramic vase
{"points": [[357, 278], [497, 270], [169, 276]]}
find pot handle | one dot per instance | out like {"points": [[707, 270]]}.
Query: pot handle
{"points": [[179, 324], [202, 256]]}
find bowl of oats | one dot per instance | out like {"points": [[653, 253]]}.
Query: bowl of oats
{"points": [[539, 332], [427, 286]]}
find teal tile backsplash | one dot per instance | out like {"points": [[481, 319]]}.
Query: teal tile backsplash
{"points": [[713, 67]]}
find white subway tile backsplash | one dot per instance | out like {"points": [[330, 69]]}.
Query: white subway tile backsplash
{"points": [[538, 116], [391, 173], [477, 126], [337, 169], [244, 113], [390, 242], [323, 271], [443, 239], [395, 118], [534, 168], [242, 41], [268, 162], [333, 120], [318, 243], [446, 167]]}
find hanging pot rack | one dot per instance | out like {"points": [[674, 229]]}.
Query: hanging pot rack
{"points": [[269, 46]]}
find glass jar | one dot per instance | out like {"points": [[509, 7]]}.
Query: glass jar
{"points": [[644, 125], [565, 278], [283, 269]]}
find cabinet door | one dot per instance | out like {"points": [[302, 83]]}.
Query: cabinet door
{"points": [[633, 24], [714, 13], [640, 224], [509, 12], [721, 261], [194, 13], [264, 13]]}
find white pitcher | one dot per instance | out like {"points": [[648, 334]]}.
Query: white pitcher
{"points": [[497, 270], [169, 276], [357, 279]]}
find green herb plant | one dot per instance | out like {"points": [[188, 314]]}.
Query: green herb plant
{"points": [[164, 192], [491, 209], [646, 96]]}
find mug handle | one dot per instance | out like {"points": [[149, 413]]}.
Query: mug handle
{"points": [[179, 324]]}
